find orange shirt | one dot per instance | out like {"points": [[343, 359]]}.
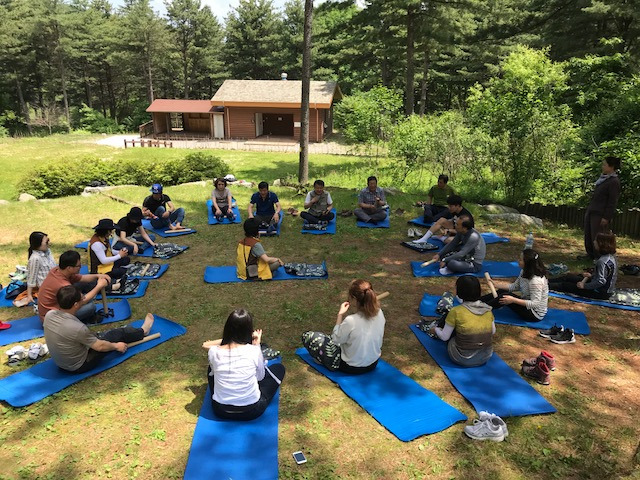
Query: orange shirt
{"points": [[49, 289]]}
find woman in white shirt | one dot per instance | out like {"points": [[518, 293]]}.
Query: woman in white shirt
{"points": [[40, 262], [241, 385], [356, 341], [533, 286]]}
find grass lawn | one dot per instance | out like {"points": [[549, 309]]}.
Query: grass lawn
{"points": [[137, 419]]}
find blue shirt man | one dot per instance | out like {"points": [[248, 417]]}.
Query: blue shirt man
{"points": [[267, 207]]}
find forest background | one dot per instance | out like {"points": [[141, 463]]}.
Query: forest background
{"points": [[517, 100]]}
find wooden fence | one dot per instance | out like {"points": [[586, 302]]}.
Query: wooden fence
{"points": [[148, 143], [626, 222], [145, 129]]}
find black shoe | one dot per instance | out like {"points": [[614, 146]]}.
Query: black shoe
{"points": [[565, 336], [584, 258], [555, 330]]}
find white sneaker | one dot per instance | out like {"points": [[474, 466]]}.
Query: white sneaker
{"points": [[44, 350], [417, 232], [445, 271], [18, 349], [34, 351], [486, 430], [411, 233], [482, 416]]}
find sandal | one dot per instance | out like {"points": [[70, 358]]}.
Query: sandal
{"points": [[346, 213]]}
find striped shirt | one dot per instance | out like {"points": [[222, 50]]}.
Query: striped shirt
{"points": [[40, 263], [535, 291]]}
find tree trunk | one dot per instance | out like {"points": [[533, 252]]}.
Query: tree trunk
{"points": [[65, 96], [303, 167], [425, 81], [149, 81], [110, 92], [87, 87], [410, 74], [23, 106]]}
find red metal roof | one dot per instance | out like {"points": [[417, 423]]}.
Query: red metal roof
{"points": [[164, 105]]}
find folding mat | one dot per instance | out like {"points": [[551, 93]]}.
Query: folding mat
{"points": [[397, 402], [496, 269], [142, 289], [593, 301], [84, 270], [166, 233], [225, 220], [239, 450], [45, 378], [227, 274], [575, 320], [278, 226], [489, 238], [493, 387], [31, 327], [386, 223], [148, 252], [420, 222], [331, 227], [4, 302]]}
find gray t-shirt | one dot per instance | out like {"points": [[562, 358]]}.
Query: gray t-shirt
{"points": [[221, 197], [257, 250], [68, 339]]}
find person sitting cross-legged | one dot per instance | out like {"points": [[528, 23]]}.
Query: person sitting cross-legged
{"points": [[447, 223], [473, 324], [101, 257], [436, 205], [252, 261], [240, 383], [371, 203], [221, 201], [126, 229], [466, 252], [319, 203], [40, 263], [267, 207], [76, 349], [159, 208], [356, 341]]}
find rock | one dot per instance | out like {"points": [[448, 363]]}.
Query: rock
{"points": [[494, 208], [91, 190], [390, 191], [516, 218], [202, 183], [4, 202], [25, 197], [277, 182]]}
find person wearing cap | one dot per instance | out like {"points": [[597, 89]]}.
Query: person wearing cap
{"points": [[161, 211], [102, 259], [126, 229]]}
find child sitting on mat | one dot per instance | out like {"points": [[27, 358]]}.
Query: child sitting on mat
{"points": [[41, 262], [241, 384], [532, 285], [252, 261], [221, 201], [356, 342], [102, 259], [602, 283], [472, 323]]}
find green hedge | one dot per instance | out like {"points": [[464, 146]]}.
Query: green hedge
{"points": [[69, 177]]}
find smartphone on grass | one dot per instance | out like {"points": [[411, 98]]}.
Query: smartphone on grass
{"points": [[299, 458]]}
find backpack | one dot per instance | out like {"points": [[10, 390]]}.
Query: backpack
{"points": [[14, 289]]}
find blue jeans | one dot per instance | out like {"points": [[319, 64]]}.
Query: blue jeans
{"points": [[138, 238], [177, 216]]}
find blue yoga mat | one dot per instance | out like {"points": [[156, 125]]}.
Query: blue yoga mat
{"points": [[3, 301], [331, 227], [420, 222], [31, 327], [496, 269], [165, 233], [142, 289], [84, 270], [493, 387], [225, 220], [489, 238], [227, 274], [45, 378], [147, 252], [575, 320], [593, 301], [227, 449], [397, 402], [386, 223]]}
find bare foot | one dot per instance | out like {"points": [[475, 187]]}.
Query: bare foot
{"points": [[115, 287], [21, 303], [148, 323]]}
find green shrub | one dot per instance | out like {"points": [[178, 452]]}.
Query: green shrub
{"points": [[69, 177]]}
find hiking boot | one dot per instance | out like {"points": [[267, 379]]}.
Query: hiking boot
{"points": [[483, 416], [539, 372], [484, 430], [565, 336], [552, 331], [544, 357]]}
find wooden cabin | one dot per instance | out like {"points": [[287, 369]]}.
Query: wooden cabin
{"points": [[247, 109]]}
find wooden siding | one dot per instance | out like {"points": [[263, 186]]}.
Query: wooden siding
{"points": [[239, 122], [159, 122], [197, 122]]}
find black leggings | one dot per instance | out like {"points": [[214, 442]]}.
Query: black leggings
{"points": [[268, 387], [520, 310], [123, 334], [567, 284]]}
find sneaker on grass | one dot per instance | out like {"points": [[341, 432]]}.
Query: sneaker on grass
{"points": [[566, 336], [484, 430], [552, 331], [483, 416], [539, 372]]}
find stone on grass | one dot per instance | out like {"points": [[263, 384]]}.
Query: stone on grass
{"points": [[495, 208], [277, 182], [26, 197], [514, 218]]}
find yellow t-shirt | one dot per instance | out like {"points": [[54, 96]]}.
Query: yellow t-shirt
{"points": [[472, 331]]}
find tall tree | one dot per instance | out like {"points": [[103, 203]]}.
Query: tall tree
{"points": [[303, 170], [291, 38]]}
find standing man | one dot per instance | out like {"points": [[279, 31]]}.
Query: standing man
{"points": [[267, 207], [319, 203], [603, 205], [436, 205], [66, 273], [371, 203], [160, 210]]}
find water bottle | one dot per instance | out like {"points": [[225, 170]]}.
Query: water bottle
{"points": [[528, 243]]}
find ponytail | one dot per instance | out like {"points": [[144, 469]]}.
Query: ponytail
{"points": [[366, 297]]}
